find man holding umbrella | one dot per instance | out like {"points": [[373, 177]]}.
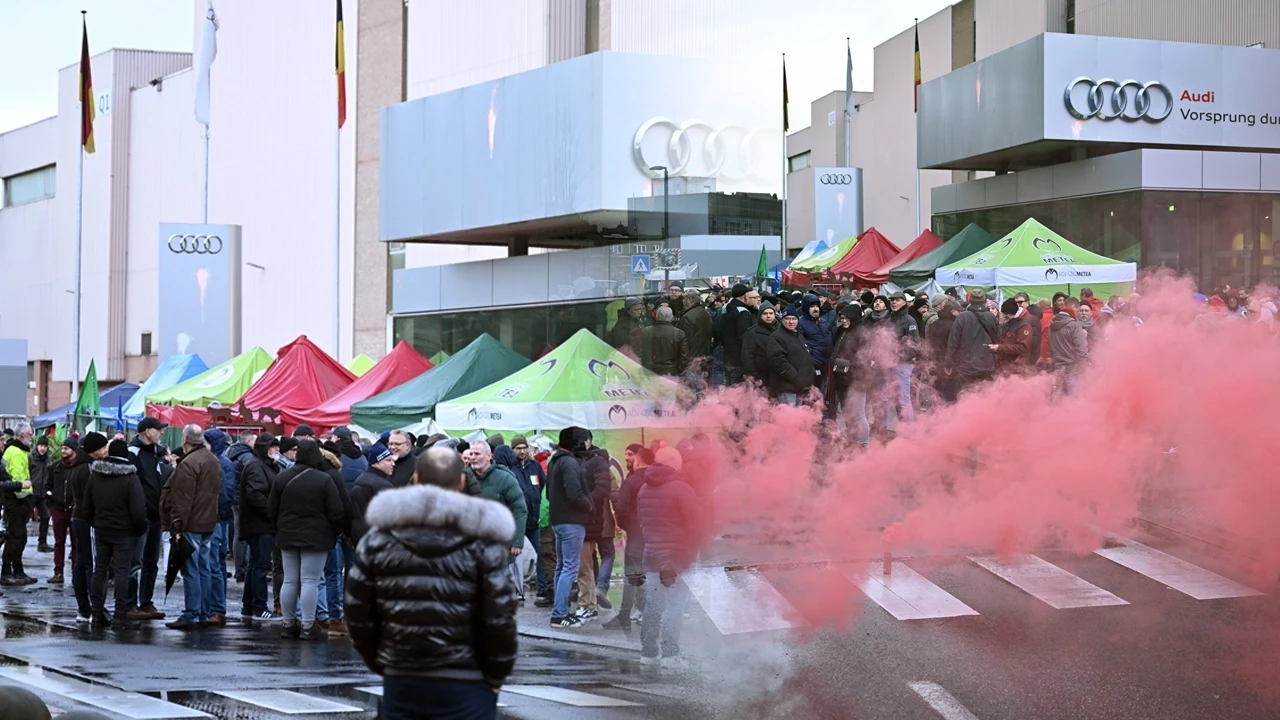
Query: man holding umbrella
{"points": [[189, 511]]}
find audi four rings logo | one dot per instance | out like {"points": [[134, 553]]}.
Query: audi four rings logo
{"points": [[835, 179], [195, 244], [1108, 99], [703, 149]]}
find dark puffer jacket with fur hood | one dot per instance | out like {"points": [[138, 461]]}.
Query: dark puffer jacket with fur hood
{"points": [[430, 593]]}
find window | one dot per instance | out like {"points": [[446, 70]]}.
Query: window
{"points": [[31, 372], [799, 162], [1071, 16], [146, 344], [31, 186]]}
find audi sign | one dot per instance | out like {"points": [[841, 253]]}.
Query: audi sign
{"points": [[697, 148], [199, 291], [195, 244], [835, 179], [1128, 100]]}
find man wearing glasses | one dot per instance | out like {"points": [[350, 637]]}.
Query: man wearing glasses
{"points": [[739, 316], [399, 444]]}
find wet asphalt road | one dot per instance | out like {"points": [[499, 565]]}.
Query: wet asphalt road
{"points": [[1162, 655]]}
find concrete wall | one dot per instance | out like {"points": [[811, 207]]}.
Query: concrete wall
{"points": [[1220, 22]]}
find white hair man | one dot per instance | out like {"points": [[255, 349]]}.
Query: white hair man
{"points": [[189, 510]]}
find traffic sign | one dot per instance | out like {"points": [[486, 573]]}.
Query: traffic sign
{"points": [[640, 264]]}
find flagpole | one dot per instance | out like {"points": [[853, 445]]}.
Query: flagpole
{"points": [[75, 315], [783, 243], [848, 117], [915, 91], [204, 208], [337, 242]]}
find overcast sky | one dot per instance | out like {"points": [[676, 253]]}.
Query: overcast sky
{"points": [[38, 37]]}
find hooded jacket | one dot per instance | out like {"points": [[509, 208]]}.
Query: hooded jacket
{"points": [[149, 460], [367, 486], [791, 369], [698, 329], [1018, 349], [939, 331], [568, 495], [354, 463], [59, 489], [497, 483], [737, 319], [304, 504], [754, 357], [664, 349], [257, 475], [626, 510], [189, 501], [967, 351], [598, 481], [39, 467], [429, 593], [332, 466], [670, 513], [818, 335], [113, 502], [1068, 342], [862, 372], [78, 483], [17, 462], [218, 443]]}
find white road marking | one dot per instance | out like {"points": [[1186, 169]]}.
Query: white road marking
{"points": [[376, 691], [1178, 574], [741, 601], [1049, 583], [565, 696], [287, 702], [942, 701], [662, 692], [905, 593], [130, 705]]}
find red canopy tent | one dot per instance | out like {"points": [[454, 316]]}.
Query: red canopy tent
{"points": [[400, 366], [303, 375], [921, 245], [870, 252]]}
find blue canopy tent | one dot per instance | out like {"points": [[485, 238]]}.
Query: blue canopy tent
{"points": [[109, 401], [175, 369]]}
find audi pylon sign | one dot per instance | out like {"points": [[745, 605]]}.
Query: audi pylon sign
{"points": [[198, 304], [837, 204]]}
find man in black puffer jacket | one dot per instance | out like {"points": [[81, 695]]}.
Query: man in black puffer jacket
{"points": [[257, 474], [430, 602]]}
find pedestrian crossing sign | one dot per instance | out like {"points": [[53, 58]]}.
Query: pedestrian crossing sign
{"points": [[640, 264]]}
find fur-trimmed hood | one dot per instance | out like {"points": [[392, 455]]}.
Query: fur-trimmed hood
{"points": [[112, 466], [330, 458], [427, 506]]}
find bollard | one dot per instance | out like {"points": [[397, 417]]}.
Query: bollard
{"points": [[888, 563]]}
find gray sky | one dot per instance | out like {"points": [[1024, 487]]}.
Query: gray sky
{"points": [[38, 37]]}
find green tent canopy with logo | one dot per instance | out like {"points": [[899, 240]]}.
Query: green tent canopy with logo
{"points": [[583, 382], [224, 383], [969, 241], [824, 260], [1038, 261], [483, 361]]}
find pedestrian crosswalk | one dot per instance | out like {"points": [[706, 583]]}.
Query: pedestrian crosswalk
{"points": [[100, 697], [742, 601]]}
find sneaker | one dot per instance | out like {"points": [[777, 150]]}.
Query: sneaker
{"points": [[569, 621], [216, 620], [586, 615], [11, 581], [323, 625], [240, 576], [44, 548], [338, 627], [543, 601], [291, 632], [266, 616], [27, 579], [151, 610], [618, 623], [83, 619], [56, 580], [315, 633], [602, 600], [101, 618], [646, 660]]}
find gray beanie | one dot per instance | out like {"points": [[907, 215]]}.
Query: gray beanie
{"points": [[766, 305]]}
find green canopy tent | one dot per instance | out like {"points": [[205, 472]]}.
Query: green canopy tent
{"points": [[439, 357], [583, 382], [224, 383], [825, 259], [969, 241], [360, 364], [1036, 260], [480, 363]]}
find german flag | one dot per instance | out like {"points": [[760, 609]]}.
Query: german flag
{"points": [[86, 92], [340, 67], [915, 90]]}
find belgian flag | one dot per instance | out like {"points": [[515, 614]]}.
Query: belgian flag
{"points": [[86, 92], [786, 119], [340, 67], [915, 90]]}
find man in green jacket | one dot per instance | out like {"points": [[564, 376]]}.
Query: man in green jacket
{"points": [[17, 507], [498, 484]]}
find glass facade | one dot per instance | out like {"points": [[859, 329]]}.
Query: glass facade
{"points": [[1216, 238], [530, 331]]}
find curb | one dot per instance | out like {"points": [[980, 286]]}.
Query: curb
{"points": [[588, 637]]}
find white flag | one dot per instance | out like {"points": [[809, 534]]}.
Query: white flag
{"points": [[208, 51], [848, 82]]}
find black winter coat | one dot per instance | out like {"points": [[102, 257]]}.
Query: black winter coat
{"points": [[114, 501], [754, 355], [598, 481], [738, 319], [368, 485], [39, 469], [304, 504], [664, 349], [626, 511], [60, 484], [698, 329], [967, 351], [405, 468], [78, 483], [430, 593], [790, 366], [626, 331], [257, 475], [670, 513], [149, 459], [568, 494]]}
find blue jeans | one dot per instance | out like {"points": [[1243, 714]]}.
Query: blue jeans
{"points": [[197, 577], [607, 552], [902, 386], [334, 567], [569, 539], [535, 537], [663, 616], [255, 577], [405, 697], [791, 399], [217, 600], [853, 406]]}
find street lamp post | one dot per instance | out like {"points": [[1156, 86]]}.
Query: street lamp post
{"points": [[666, 215]]}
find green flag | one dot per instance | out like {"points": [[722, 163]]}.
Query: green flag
{"points": [[88, 404], [762, 267]]}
